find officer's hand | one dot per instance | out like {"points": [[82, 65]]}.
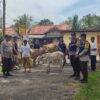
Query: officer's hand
{"points": [[68, 57], [76, 56]]}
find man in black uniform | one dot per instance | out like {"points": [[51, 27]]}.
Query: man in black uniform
{"points": [[62, 47], [74, 61], [84, 51]]}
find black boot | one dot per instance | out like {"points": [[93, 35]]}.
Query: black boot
{"points": [[84, 81]]}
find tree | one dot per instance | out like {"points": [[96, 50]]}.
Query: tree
{"points": [[86, 22], [45, 22], [90, 22], [1, 37], [1, 23], [74, 22], [22, 20]]}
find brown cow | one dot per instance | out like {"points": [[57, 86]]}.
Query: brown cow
{"points": [[50, 47], [37, 52]]}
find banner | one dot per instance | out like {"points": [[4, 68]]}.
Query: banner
{"points": [[22, 30]]}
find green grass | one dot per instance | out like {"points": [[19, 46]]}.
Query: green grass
{"points": [[0, 70], [90, 91]]}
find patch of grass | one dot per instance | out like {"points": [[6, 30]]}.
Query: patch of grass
{"points": [[0, 70], [90, 91]]}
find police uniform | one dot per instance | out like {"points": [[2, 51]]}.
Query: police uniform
{"points": [[74, 61], [84, 51]]}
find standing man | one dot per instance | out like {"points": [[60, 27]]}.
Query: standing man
{"points": [[37, 44], [73, 60], [62, 47], [15, 50], [93, 54], [26, 54], [84, 52], [7, 55]]}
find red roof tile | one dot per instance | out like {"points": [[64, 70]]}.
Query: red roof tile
{"points": [[9, 31], [42, 29]]}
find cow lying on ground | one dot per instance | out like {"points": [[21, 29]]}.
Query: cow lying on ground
{"points": [[48, 58]]}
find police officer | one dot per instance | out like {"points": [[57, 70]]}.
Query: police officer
{"points": [[74, 61], [62, 47], [83, 55]]}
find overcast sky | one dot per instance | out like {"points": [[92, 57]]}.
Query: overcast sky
{"points": [[56, 10]]}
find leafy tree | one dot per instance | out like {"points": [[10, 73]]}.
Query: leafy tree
{"points": [[86, 22], [1, 23], [1, 37], [74, 22], [22, 20], [45, 22]]}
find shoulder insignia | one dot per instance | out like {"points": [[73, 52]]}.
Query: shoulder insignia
{"points": [[87, 45]]}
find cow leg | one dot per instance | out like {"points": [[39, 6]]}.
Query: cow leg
{"points": [[61, 66], [48, 68], [34, 65]]}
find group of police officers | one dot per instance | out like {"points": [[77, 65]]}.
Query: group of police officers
{"points": [[79, 54]]}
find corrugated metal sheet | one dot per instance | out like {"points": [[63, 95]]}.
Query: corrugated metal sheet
{"points": [[36, 36]]}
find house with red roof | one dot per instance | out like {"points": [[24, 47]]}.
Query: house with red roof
{"points": [[49, 33]]}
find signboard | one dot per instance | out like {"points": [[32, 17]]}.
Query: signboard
{"points": [[22, 29]]}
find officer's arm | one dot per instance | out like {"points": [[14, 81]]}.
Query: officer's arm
{"points": [[94, 49], [77, 51], [2, 49], [59, 48], [85, 49]]}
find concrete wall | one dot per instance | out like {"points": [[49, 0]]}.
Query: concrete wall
{"points": [[89, 35]]}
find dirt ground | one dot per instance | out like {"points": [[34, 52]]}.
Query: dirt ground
{"points": [[39, 85]]}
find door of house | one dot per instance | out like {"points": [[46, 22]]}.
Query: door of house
{"points": [[98, 39]]}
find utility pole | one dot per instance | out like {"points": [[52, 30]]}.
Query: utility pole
{"points": [[4, 8]]}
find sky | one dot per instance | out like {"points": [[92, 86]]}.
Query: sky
{"points": [[55, 10]]}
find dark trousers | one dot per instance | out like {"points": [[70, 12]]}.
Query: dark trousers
{"points": [[75, 64], [84, 69], [7, 65], [64, 58], [93, 63]]}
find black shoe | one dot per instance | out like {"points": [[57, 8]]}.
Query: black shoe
{"points": [[8, 74], [4, 76], [83, 81], [72, 76], [77, 78]]}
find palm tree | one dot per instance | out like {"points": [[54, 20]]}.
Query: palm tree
{"points": [[22, 20], [75, 23]]}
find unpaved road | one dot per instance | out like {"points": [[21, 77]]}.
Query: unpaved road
{"points": [[39, 85]]}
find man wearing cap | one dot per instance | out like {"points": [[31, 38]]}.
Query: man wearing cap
{"points": [[83, 54], [74, 61], [7, 55]]}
